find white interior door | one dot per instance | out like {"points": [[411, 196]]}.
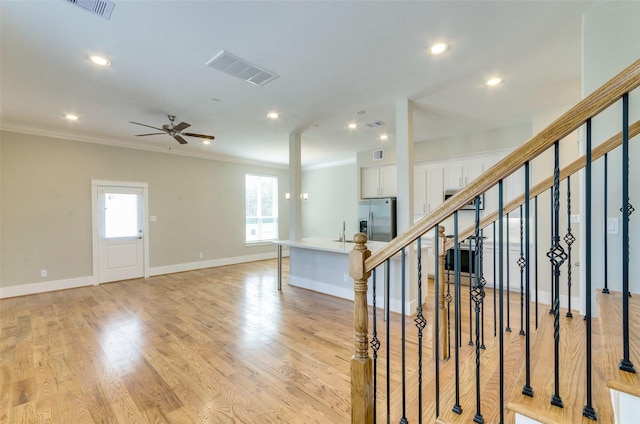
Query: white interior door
{"points": [[120, 233]]}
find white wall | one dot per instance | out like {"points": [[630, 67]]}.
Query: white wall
{"points": [[611, 42]]}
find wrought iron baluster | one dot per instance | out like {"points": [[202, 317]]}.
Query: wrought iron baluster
{"points": [[627, 209], [535, 252], [521, 263], [448, 298], [477, 294], [403, 302], [501, 301], [606, 235], [588, 410], [483, 282], [569, 239], [495, 283], [436, 334], [527, 389], [508, 329], [421, 322], [557, 256], [456, 277], [553, 291], [470, 257], [387, 290], [375, 346]]}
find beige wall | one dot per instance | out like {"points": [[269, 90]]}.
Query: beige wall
{"points": [[46, 206], [333, 198]]}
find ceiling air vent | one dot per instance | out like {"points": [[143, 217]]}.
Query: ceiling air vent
{"points": [[102, 8], [378, 154], [240, 68], [375, 124]]}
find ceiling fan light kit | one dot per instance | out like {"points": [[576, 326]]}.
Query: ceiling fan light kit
{"points": [[173, 130]]}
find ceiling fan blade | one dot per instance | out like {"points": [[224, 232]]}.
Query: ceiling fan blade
{"points": [[180, 139], [208, 137], [181, 126], [145, 125], [142, 135]]}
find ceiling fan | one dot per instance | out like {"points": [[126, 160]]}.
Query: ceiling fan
{"points": [[174, 131]]}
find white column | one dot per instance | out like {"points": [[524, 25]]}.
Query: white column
{"points": [[295, 186]]}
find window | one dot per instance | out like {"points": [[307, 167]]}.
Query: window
{"points": [[122, 216], [261, 208]]}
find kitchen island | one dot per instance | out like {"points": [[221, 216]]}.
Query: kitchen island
{"points": [[322, 265]]}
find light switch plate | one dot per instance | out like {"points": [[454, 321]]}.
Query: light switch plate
{"points": [[612, 225]]}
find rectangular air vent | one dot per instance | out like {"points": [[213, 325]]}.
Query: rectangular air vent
{"points": [[375, 124], [378, 154], [240, 68], [102, 8]]}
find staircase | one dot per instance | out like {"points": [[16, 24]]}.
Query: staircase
{"points": [[448, 362]]}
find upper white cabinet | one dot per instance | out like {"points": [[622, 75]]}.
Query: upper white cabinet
{"points": [[428, 186], [379, 181], [458, 174]]}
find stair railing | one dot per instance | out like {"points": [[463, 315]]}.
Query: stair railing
{"points": [[363, 263]]}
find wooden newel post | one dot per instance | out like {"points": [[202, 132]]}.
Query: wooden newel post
{"points": [[361, 362], [442, 305]]}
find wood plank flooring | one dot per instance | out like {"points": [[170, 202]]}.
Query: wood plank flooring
{"points": [[219, 345]]}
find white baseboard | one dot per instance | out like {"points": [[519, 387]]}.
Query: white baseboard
{"points": [[191, 266], [46, 286], [72, 283]]}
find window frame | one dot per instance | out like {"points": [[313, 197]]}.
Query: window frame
{"points": [[260, 232]]}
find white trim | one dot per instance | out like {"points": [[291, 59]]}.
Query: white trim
{"points": [[95, 219], [71, 283], [46, 286], [170, 269]]}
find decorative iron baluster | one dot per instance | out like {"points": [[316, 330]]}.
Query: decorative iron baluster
{"points": [[456, 277], [375, 346], [470, 256], [553, 291], [387, 290], [627, 209], [477, 294], [421, 322], [605, 290], [569, 239], [495, 283], [436, 334], [483, 283], [521, 263], [501, 291], [535, 252], [448, 299], [508, 329], [557, 256], [527, 389], [403, 302], [588, 410]]}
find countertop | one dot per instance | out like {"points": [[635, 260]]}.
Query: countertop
{"points": [[328, 245]]}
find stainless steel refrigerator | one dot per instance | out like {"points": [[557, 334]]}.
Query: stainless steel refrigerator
{"points": [[377, 218]]}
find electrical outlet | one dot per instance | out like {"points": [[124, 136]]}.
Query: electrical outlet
{"points": [[201, 254], [43, 273], [612, 225]]}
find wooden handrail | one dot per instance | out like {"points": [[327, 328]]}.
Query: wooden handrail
{"points": [[545, 184], [596, 102]]}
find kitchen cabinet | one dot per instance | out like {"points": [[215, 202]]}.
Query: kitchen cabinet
{"points": [[428, 187], [378, 181], [458, 174]]}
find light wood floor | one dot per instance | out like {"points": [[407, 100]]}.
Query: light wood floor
{"points": [[219, 345]]}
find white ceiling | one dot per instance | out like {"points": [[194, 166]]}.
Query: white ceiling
{"points": [[333, 58]]}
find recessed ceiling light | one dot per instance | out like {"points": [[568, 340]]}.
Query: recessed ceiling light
{"points": [[438, 48], [71, 117], [384, 137], [494, 81], [272, 115], [101, 61], [353, 126], [206, 142]]}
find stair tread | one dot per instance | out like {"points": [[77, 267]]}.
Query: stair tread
{"points": [[610, 311], [572, 375]]}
